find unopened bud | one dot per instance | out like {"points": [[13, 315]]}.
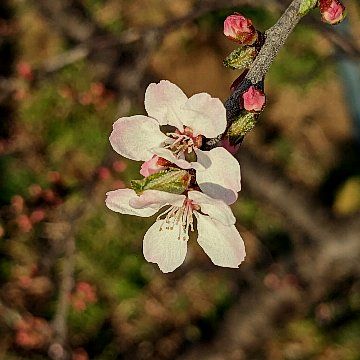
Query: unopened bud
{"points": [[240, 58], [253, 99], [172, 180], [240, 29], [332, 11]]}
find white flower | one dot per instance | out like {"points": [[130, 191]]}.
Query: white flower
{"points": [[140, 138], [165, 242]]}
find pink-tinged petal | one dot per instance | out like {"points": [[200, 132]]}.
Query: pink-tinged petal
{"points": [[156, 199], [254, 99], [169, 156], [222, 179], [240, 29], [118, 201], [223, 244], [216, 209], [332, 11], [134, 136], [163, 102], [151, 166], [163, 246], [205, 115]]}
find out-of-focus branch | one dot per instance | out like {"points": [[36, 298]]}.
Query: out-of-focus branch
{"points": [[329, 258]]}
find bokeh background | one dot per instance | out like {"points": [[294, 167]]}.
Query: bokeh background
{"points": [[73, 280]]}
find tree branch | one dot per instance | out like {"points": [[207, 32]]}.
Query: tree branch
{"points": [[275, 38]]}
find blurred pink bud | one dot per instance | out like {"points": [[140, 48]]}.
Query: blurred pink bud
{"points": [[24, 223], [85, 99], [79, 304], [87, 291], [35, 190], [332, 11], [37, 216], [80, 354], [54, 176], [119, 165], [254, 99], [2, 231], [240, 29], [97, 89], [49, 195], [104, 173], [24, 70], [17, 203], [232, 149], [151, 166]]}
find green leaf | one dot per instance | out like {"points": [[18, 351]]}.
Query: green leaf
{"points": [[172, 180], [306, 6], [241, 58], [242, 125]]}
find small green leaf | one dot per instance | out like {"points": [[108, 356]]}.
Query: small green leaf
{"points": [[242, 125], [241, 58], [172, 180], [306, 6]]}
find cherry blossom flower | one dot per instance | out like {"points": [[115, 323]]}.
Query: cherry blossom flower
{"points": [[165, 242], [240, 29], [140, 138]]}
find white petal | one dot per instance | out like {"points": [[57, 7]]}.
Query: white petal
{"points": [[118, 201], [221, 180], [156, 199], [169, 156], [134, 136], [164, 247], [163, 101], [223, 244], [216, 209], [202, 160], [205, 115]]}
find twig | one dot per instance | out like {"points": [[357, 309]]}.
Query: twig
{"points": [[275, 39]]}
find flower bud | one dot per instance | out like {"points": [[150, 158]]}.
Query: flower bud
{"points": [[151, 166], [254, 99], [172, 180], [332, 11], [240, 58], [240, 29]]}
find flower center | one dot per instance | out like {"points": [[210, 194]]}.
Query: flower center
{"points": [[181, 217], [184, 141]]}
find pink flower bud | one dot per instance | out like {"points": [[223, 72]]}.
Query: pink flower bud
{"points": [[25, 71], [119, 165], [24, 223], [332, 11], [254, 99], [104, 173], [240, 29], [37, 216], [151, 166]]}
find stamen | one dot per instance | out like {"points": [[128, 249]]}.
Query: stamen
{"points": [[180, 216]]}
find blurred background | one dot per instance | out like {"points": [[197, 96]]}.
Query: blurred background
{"points": [[73, 280]]}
